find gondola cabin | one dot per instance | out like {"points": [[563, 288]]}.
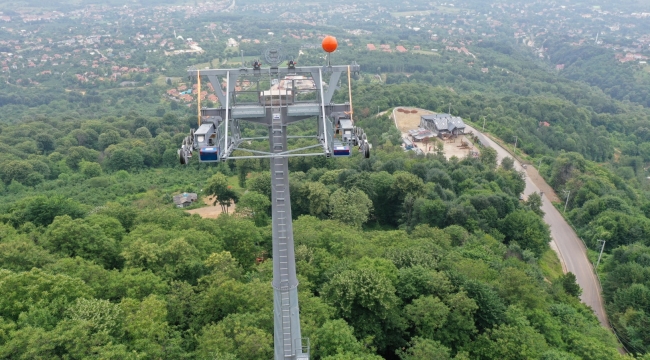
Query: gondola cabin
{"points": [[345, 128], [205, 139], [341, 150], [209, 154], [205, 135]]}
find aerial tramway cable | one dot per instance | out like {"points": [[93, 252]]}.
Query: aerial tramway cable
{"points": [[198, 98], [350, 94]]}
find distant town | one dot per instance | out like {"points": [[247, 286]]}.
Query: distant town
{"points": [[101, 46]]}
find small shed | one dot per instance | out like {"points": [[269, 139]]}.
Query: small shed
{"points": [[184, 199], [422, 135]]}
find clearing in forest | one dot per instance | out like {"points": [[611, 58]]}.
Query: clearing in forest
{"points": [[410, 120], [407, 118], [426, 52], [211, 211]]}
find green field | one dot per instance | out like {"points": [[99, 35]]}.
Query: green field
{"points": [[237, 60], [439, 9], [215, 63], [162, 80], [234, 183], [550, 265], [234, 60], [411, 13], [449, 10], [426, 52]]}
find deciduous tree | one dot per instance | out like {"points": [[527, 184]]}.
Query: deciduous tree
{"points": [[352, 207], [218, 187]]}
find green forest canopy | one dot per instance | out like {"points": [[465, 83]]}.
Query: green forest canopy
{"points": [[105, 266]]}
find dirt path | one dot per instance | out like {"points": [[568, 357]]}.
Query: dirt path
{"points": [[537, 179], [211, 211]]}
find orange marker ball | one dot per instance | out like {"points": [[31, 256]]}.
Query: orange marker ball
{"points": [[329, 44]]}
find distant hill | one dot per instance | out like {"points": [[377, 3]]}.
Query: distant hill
{"points": [[68, 4]]}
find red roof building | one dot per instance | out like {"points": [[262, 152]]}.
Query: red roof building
{"points": [[371, 47], [400, 48]]}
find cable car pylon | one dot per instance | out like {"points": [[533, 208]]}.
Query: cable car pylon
{"points": [[218, 135]]}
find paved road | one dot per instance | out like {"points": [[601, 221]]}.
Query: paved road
{"points": [[569, 247]]}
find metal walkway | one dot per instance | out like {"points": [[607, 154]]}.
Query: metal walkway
{"points": [[288, 342]]}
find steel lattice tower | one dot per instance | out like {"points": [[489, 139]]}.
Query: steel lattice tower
{"points": [[218, 136]]}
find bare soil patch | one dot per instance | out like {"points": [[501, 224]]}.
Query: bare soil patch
{"points": [[407, 118], [211, 211], [408, 121], [454, 147]]}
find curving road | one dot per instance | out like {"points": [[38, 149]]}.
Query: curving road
{"points": [[571, 250]]}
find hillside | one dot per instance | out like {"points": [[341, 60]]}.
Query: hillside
{"points": [[137, 256], [399, 256]]}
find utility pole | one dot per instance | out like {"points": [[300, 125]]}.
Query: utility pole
{"points": [[567, 193], [516, 143], [601, 253], [539, 165], [449, 109], [483, 123]]}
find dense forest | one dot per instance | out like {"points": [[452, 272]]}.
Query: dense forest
{"points": [[399, 256], [605, 207], [609, 200], [435, 258], [96, 183], [597, 67]]}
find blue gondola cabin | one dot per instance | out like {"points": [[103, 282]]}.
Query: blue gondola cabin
{"points": [[341, 150], [209, 154]]}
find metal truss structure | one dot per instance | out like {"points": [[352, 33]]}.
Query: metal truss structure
{"points": [[219, 135]]}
